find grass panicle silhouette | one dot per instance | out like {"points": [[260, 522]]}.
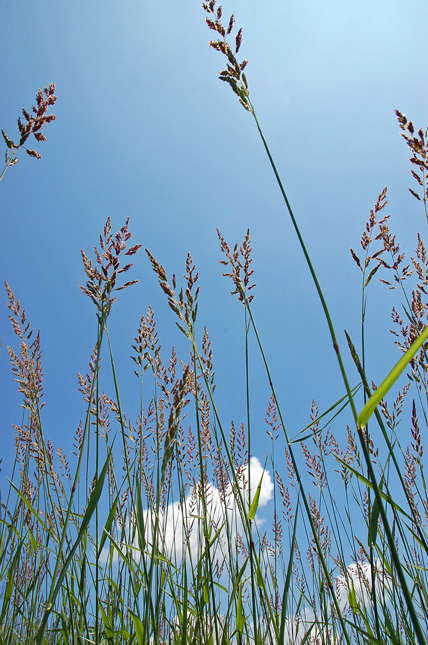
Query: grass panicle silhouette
{"points": [[35, 121]]}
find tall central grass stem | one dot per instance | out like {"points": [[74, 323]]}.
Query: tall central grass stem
{"points": [[363, 441], [311, 269], [55, 588], [296, 468], [247, 523]]}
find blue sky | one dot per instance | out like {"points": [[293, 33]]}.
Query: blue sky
{"points": [[146, 131]]}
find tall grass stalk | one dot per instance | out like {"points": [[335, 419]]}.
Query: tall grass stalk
{"points": [[236, 78]]}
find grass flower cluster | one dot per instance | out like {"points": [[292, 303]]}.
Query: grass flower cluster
{"points": [[36, 121], [148, 533]]}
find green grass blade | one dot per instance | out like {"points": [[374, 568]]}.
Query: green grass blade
{"points": [[287, 582], [108, 524], [240, 620], [10, 582], [255, 503], [139, 629], [389, 381], [92, 504], [370, 485], [373, 523], [29, 506]]}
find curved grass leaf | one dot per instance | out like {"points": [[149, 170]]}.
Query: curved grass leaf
{"points": [[255, 503], [108, 524], [240, 620], [389, 381], [287, 583], [92, 504], [370, 485], [139, 629], [29, 506]]}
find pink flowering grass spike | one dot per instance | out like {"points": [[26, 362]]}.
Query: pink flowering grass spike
{"points": [[34, 121], [104, 272]]}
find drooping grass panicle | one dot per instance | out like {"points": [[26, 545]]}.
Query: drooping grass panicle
{"points": [[234, 73], [418, 144], [35, 121]]}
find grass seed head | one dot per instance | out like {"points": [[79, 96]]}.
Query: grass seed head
{"points": [[234, 72], [34, 122], [102, 275]]}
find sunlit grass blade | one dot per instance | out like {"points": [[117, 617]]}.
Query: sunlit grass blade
{"points": [[240, 619], [139, 629], [108, 524], [389, 381], [287, 582], [30, 507], [338, 407], [255, 503]]}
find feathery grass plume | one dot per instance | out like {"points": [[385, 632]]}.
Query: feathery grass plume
{"points": [[35, 121], [410, 325], [371, 261], [234, 72], [368, 237], [186, 306], [392, 249], [147, 346], [27, 367], [103, 274], [207, 359], [179, 393], [239, 261], [418, 144]]}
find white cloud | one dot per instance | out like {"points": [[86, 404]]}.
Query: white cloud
{"points": [[296, 627], [359, 577], [180, 527]]}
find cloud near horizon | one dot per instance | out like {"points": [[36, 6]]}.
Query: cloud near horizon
{"points": [[180, 524]]}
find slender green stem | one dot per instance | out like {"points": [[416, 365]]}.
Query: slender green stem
{"points": [[312, 271], [209, 573], [244, 516], [50, 599], [97, 451], [12, 161], [362, 437], [247, 390], [298, 477]]}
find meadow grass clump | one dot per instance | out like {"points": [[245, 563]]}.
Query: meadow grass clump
{"points": [[149, 531]]}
